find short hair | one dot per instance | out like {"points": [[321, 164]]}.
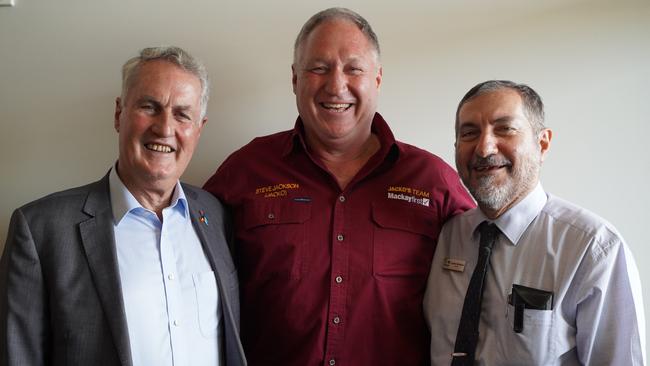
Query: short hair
{"points": [[176, 56], [532, 102], [335, 14]]}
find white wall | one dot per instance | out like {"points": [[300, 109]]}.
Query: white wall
{"points": [[590, 61]]}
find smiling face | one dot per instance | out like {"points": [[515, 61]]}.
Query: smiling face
{"points": [[159, 125], [498, 155], [336, 80]]}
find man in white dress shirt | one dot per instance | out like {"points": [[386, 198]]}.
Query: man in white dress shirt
{"points": [[561, 286], [133, 269]]}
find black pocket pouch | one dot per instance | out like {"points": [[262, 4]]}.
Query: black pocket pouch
{"points": [[523, 297]]}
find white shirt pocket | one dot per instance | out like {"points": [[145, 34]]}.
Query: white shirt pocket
{"points": [[534, 345], [208, 303]]}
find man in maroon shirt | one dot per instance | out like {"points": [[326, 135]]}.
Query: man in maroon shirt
{"points": [[335, 221]]}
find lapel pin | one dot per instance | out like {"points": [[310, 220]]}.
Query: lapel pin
{"points": [[202, 217]]}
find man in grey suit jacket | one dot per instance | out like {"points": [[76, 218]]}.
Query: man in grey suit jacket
{"points": [[133, 269]]}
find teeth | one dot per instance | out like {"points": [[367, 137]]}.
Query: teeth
{"points": [[339, 106], [483, 168], [159, 148]]}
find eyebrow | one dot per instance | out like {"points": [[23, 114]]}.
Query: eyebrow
{"points": [[183, 108], [466, 124], [504, 119], [471, 123], [150, 99], [147, 98]]}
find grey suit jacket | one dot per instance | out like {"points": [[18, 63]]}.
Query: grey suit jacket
{"points": [[60, 293]]}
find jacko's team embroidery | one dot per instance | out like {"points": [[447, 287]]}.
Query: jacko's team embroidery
{"points": [[408, 194]]}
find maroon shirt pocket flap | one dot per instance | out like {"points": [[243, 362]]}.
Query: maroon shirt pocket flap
{"points": [[274, 212], [398, 216]]}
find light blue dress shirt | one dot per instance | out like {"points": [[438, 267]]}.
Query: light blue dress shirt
{"points": [[547, 244], [170, 293]]}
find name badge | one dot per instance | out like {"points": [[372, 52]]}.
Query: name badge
{"points": [[451, 264]]}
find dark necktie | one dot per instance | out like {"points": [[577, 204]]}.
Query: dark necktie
{"points": [[467, 336]]}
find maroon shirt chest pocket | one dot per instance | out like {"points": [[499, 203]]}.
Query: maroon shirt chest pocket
{"points": [[273, 240], [404, 239]]}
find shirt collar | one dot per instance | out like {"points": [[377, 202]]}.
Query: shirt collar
{"points": [[123, 202], [379, 127], [516, 220]]}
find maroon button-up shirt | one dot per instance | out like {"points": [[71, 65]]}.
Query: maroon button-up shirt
{"points": [[331, 277]]}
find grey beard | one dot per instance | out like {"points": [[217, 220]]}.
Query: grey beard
{"points": [[490, 195], [494, 197]]}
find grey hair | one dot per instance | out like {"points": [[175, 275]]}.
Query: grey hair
{"points": [[533, 105], [175, 55], [335, 14]]}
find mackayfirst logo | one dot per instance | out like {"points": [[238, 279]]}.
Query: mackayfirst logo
{"points": [[410, 195]]}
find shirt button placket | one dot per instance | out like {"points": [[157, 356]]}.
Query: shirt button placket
{"points": [[338, 289]]}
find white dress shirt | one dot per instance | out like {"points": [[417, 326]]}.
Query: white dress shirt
{"points": [[547, 244], [170, 293]]}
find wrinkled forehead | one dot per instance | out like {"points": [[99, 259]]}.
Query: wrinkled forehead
{"points": [[493, 101], [339, 33], [164, 81], [491, 105]]}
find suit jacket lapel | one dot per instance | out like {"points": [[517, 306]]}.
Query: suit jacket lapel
{"points": [[209, 229], [207, 232], [99, 245]]}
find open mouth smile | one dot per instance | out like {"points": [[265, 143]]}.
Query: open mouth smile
{"points": [[159, 148], [337, 107], [488, 168]]}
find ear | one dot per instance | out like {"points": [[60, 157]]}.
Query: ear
{"points": [[380, 73], [545, 137], [202, 123], [294, 77], [118, 112]]}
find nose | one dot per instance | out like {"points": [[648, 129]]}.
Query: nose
{"points": [[486, 144], [163, 126], [337, 83]]}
